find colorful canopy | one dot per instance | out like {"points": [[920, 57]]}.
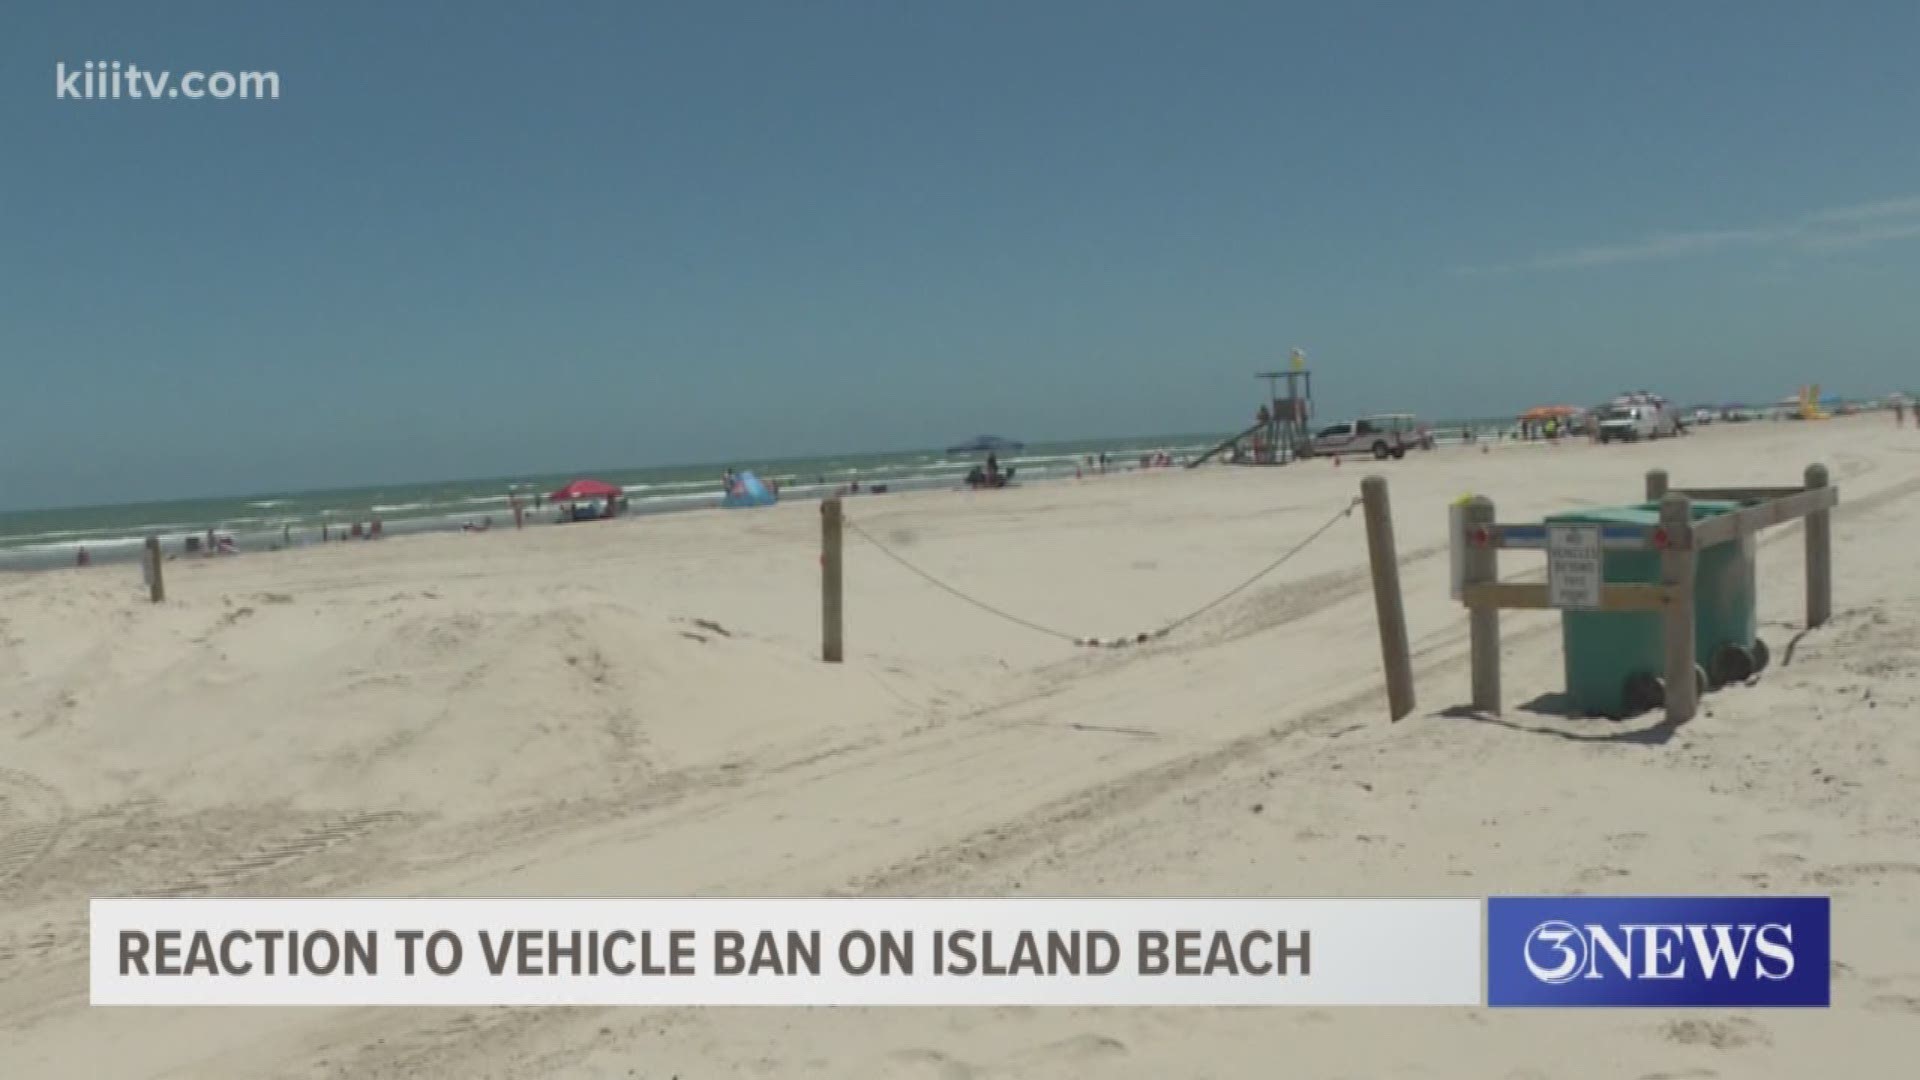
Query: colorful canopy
{"points": [[749, 490], [585, 489], [1548, 412]]}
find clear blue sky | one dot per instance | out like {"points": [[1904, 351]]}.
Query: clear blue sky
{"points": [[475, 240]]}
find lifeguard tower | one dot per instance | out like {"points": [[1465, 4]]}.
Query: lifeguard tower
{"points": [[1282, 432], [1289, 414]]}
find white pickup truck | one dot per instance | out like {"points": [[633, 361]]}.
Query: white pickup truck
{"points": [[1384, 435]]}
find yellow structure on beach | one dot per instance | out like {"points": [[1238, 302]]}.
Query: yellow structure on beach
{"points": [[1810, 404]]}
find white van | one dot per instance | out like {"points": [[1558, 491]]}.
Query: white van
{"points": [[1631, 423]]}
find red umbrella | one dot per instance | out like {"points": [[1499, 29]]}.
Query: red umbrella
{"points": [[585, 489]]}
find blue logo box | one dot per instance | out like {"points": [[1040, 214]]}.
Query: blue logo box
{"points": [[1659, 951]]}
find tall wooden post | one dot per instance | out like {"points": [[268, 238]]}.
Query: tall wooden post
{"points": [[1483, 620], [1388, 610], [1819, 555], [830, 609], [1656, 484], [1676, 573], [156, 587]]}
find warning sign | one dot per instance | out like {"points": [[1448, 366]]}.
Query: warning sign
{"points": [[1573, 566]]}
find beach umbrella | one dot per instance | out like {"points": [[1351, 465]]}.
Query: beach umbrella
{"points": [[1548, 412], [585, 489], [981, 444]]}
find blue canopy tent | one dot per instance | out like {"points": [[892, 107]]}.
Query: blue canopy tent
{"points": [[749, 490], [983, 443]]}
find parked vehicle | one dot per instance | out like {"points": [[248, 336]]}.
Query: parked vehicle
{"points": [[1631, 423], [1413, 434], [1383, 436]]}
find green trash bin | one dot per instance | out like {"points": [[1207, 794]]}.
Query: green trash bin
{"points": [[1605, 650]]}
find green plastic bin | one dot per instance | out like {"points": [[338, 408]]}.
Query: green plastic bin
{"points": [[1604, 648]]}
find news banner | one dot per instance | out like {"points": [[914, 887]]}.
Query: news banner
{"points": [[1533, 951]]}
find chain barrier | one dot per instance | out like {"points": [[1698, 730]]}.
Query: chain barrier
{"points": [[1096, 642]]}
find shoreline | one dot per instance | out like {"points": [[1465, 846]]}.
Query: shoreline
{"points": [[58, 549], [929, 470]]}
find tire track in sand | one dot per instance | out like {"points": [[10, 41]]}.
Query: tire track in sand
{"points": [[32, 813], [281, 851]]}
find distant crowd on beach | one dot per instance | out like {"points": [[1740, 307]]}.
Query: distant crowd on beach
{"points": [[991, 474]]}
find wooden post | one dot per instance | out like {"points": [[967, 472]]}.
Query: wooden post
{"points": [[156, 587], [1483, 622], [1676, 572], [1656, 484], [1388, 610], [830, 609], [1819, 555]]}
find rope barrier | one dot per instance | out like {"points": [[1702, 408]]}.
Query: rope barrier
{"points": [[1094, 642]]}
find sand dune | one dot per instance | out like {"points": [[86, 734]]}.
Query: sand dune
{"points": [[635, 708]]}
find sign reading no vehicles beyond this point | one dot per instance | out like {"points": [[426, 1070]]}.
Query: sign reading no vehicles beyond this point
{"points": [[1573, 566]]}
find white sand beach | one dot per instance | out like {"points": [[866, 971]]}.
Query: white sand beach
{"points": [[637, 708]]}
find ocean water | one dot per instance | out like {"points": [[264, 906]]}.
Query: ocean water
{"points": [[46, 539]]}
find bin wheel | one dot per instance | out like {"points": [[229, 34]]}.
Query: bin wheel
{"points": [[1699, 682], [1761, 656], [1643, 692], [1732, 663]]}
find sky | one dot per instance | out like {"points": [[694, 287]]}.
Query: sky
{"points": [[476, 239]]}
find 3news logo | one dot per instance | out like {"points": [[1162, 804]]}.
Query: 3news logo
{"points": [[1659, 951]]}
